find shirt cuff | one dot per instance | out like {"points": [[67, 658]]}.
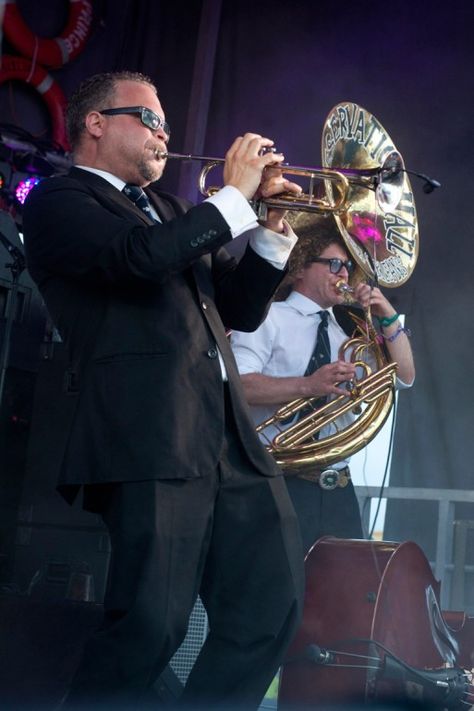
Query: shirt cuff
{"points": [[275, 248], [235, 209]]}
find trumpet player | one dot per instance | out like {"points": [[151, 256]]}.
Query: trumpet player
{"points": [[280, 362], [138, 283]]}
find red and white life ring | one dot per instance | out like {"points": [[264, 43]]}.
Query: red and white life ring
{"points": [[53, 52], [21, 69]]}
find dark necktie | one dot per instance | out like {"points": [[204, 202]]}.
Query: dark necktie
{"points": [[138, 196], [320, 356], [322, 351]]}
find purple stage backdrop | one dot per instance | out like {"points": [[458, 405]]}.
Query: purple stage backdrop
{"points": [[279, 68]]}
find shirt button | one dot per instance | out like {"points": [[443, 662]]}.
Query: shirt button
{"points": [[212, 353], [203, 305]]}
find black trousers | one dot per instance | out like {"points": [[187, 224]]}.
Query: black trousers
{"points": [[324, 513], [233, 538]]}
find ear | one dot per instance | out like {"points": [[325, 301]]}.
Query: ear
{"points": [[94, 123], [299, 274]]}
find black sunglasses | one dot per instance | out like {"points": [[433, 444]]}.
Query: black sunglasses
{"points": [[336, 264], [147, 117]]}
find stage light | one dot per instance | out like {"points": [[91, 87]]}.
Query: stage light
{"points": [[2, 181], [24, 187]]}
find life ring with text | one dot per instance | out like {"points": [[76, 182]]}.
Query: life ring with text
{"points": [[50, 52], [21, 69]]}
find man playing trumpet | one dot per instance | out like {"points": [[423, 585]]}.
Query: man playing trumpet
{"points": [[139, 284], [279, 362]]}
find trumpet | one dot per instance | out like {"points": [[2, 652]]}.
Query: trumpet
{"points": [[363, 184], [385, 180]]}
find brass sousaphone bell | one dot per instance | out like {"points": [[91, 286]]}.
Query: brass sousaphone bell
{"points": [[376, 216]]}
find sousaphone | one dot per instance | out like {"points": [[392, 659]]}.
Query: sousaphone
{"points": [[375, 212]]}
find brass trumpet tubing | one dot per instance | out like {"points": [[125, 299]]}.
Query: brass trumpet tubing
{"points": [[309, 424], [294, 406], [191, 156], [337, 446], [307, 201], [326, 453], [370, 389], [359, 392], [363, 178]]}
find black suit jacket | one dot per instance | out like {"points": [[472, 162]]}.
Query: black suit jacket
{"points": [[141, 308]]}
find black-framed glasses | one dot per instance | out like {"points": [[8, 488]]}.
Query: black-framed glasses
{"points": [[336, 264], [147, 117]]}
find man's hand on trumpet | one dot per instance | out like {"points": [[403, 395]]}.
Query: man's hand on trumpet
{"points": [[395, 336], [273, 184], [246, 160], [371, 296], [329, 379], [252, 167]]}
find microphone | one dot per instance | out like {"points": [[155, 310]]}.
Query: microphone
{"points": [[428, 186], [318, 655], [314, 654]]}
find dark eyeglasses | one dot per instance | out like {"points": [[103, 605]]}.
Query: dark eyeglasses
{"points": [[147, 117], [336, 264]]}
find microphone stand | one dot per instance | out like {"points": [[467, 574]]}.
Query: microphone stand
{"points": [[17, 266]]}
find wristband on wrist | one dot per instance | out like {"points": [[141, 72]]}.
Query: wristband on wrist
{"points": [[388, 320], [395, 335]]}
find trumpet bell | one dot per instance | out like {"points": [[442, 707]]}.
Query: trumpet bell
{"points": [[380, 227]]}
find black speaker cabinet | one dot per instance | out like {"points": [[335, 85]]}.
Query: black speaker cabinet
{"points": [[40, 646]]}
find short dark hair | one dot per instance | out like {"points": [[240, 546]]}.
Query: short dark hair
{"points": [[96, 93], [315, 232]]}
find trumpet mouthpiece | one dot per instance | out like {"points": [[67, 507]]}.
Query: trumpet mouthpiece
{"points": [[344, 287]]}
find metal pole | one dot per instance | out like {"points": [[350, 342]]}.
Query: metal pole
{"points": [[198, 109]]}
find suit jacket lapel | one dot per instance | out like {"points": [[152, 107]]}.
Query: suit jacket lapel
{"points": [[163, 208], [166, 209], [109, 192]]}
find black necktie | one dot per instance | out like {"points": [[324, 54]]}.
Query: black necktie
{"points": [[322, 351], [138, 196], [320, 356]]}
